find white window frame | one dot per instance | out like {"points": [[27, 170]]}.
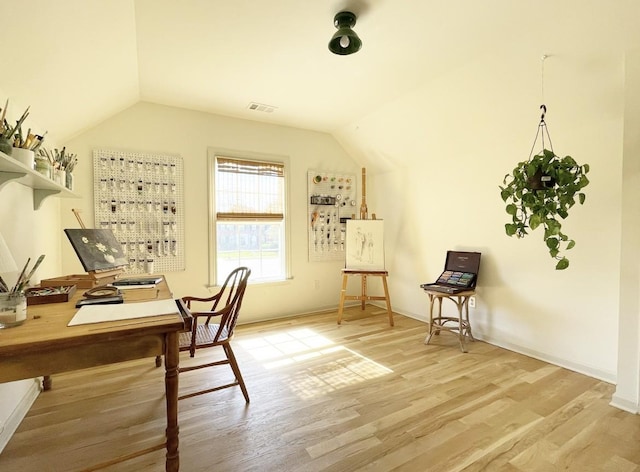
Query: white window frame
{"points": [[212, 154]]}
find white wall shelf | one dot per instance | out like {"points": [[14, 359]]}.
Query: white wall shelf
{"points": [[43, 187]]}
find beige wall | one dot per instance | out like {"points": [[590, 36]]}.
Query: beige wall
{"points": [[28, 234], [155, 128], [452, 139], [437, 157], [627, 394]]}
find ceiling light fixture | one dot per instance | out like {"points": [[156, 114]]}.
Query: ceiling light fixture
{"points": [[345, 40]]}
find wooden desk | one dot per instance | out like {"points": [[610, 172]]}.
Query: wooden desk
{"points": [[363, 297], [460, 325], [44, 345]]}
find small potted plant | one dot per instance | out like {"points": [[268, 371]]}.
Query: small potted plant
{"points": [[539, 192]]}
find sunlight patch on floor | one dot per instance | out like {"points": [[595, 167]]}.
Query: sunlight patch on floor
{"points": [[343, 367]]}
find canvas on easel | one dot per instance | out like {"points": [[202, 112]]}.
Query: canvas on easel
{"points": [[365, 245], [100, 254], [97, 249]]}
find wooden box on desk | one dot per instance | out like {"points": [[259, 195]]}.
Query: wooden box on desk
{"points": [[41, 295], [88, 280]]}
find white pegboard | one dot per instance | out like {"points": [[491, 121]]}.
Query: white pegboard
{"points": [[331, 197], [140, 197]]}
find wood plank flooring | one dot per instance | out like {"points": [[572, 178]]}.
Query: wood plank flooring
{"points": [[356, 397]]}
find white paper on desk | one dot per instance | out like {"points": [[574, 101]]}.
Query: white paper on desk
{"points": [[126, 311]]}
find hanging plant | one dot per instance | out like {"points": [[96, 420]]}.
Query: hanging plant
{"points": [[540, 191]]}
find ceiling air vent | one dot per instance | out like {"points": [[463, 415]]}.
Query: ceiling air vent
{"points": [[261, 107]]}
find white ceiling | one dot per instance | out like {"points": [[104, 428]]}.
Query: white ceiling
{"points": [[77, 62]]}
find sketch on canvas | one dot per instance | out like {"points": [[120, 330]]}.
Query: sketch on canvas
{"points": [[365, 245]]}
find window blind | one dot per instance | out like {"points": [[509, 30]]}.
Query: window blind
{"points": [[249, 190]]}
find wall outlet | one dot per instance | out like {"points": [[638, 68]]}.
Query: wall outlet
{"points": [[472, 302], [316, 284]]}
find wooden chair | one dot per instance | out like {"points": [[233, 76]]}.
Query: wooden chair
{"points": [[225, 311]]}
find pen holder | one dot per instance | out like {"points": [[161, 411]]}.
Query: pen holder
{"points": [[13, 309]]}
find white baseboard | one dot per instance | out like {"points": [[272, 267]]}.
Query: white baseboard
{"points": [[18, 414], [606, 376], [624, 404]]}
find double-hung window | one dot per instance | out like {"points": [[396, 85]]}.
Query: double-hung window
{"points": [[250, 223]]}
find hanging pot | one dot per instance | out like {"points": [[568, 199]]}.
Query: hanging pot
{"points": [[541, 181]]}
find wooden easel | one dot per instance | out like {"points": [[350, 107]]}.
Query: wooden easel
{"points": [[91, 279], [364, 297]]}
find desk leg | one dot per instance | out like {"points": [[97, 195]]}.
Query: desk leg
{"points": [[343, 293], [171, 360], [47, 383]]}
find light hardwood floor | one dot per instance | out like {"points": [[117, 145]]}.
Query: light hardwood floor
{"points": [[357, 397]]}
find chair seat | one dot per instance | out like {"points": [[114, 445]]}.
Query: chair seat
{"points": [[205, 334]]}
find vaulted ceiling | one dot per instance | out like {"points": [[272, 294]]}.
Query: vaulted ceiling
{"points": [[77, 62]]}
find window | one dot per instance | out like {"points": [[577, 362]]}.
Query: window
{"points": [[250, 223]]}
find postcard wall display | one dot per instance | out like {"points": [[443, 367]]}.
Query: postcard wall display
{"points": [[331, 202], [140, 198]]}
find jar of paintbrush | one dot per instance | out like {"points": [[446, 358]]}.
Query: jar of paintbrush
{"points": [[13, 309], [13, 302]]}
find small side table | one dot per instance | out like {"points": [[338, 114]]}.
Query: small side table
{"points": [[364, 297], [460, 325]]}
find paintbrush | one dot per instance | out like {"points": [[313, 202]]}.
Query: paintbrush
{"points": [[3, 285], [15, 287], [4, 111], [28, 277]]}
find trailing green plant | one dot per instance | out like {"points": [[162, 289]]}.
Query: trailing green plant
{"points": [[540, 192]]}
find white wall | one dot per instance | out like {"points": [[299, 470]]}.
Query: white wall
{"points": [[28, 234], [155, 128], [436, 157], [627, 394]]}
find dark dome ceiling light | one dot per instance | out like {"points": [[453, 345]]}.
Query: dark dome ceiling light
{"points": [[345, 40]]}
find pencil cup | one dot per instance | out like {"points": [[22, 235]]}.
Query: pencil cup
{"points": [[25, 156], [69, 180], [59, 176], [43, 166], [13, 309]]}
